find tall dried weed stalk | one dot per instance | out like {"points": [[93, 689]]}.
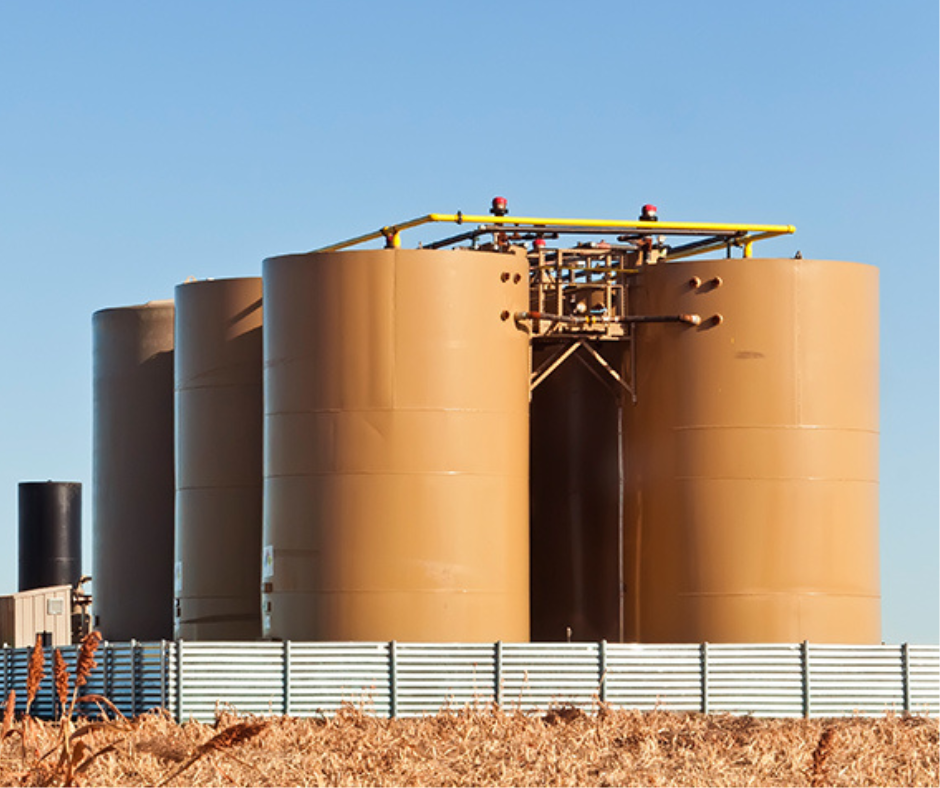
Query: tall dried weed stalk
{"points": [[34, 672], [60, 674]]}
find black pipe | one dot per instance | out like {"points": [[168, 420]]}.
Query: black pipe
{"points": [[588, 320], [50, 534]]}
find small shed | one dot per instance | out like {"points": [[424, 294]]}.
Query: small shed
{"points": [[41, 611]]}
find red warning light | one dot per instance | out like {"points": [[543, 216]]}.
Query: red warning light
{"points": [[648, 214], [499, 206]]}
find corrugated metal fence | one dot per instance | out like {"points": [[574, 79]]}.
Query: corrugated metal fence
{"points": [[194, 680]]}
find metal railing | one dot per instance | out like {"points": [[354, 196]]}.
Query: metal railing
{"points": [[194, 680], [715, 235]]}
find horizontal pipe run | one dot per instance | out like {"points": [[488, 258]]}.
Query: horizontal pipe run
{"points": [[589, 320], [539, 224], [704, 228]]}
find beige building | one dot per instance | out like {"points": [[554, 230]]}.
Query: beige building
{"points": [[46, 611]]}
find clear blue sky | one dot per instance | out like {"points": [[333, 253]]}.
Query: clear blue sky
{"points": [[142, 143]]}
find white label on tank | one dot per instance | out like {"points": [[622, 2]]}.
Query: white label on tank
{"points": [[178, 578], [267, 561]]}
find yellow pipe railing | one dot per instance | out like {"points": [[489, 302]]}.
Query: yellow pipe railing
{"points": [[748, 233]]}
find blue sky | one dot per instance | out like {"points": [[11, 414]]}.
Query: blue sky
{"points": [[142, 143]]}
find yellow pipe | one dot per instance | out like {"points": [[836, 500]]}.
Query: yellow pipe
{"points": [[391, 232], [704, 227]]}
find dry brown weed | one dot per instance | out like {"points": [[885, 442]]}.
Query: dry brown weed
{"points": [[487, 746]]}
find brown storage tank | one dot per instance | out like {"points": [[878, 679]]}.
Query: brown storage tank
{"points": [[218, 459], [133, 471], [751, 453], [396, 443], [575, 504]]}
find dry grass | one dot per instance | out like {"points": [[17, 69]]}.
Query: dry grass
{"points": [[485, 747]]}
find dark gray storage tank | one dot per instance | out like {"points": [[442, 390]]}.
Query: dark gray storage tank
{"points": [[133, 495], [50, 534], [574, 538]]}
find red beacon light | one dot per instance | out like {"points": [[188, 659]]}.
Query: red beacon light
{"points": [[648, 214], [538, 243], [499, 206]]}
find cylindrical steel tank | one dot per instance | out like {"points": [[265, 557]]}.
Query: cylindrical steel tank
{"points": [[575, 502], [751, 454], [218, 459], [133, 489], [50, 534], [396, 437]]}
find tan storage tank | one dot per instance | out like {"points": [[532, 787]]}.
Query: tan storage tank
{"points": [[575, 503], [752, 455], [219, 418], [133, 493], [396, 442]]}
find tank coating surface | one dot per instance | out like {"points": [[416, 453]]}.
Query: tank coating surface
{"points": [[50, 534], [219, 416], [133, 488], [751, 499], [575, 504], [396, 440]]}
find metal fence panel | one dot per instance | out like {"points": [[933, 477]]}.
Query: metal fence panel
{"points": [[324, 676], [761, 680], [862, 680], [537, 676], [924, 679], [645, 677], [430, 677], [193, 680], [243, 677]]}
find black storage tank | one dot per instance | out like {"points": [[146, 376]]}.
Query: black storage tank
{"points": [[50, 534]]}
